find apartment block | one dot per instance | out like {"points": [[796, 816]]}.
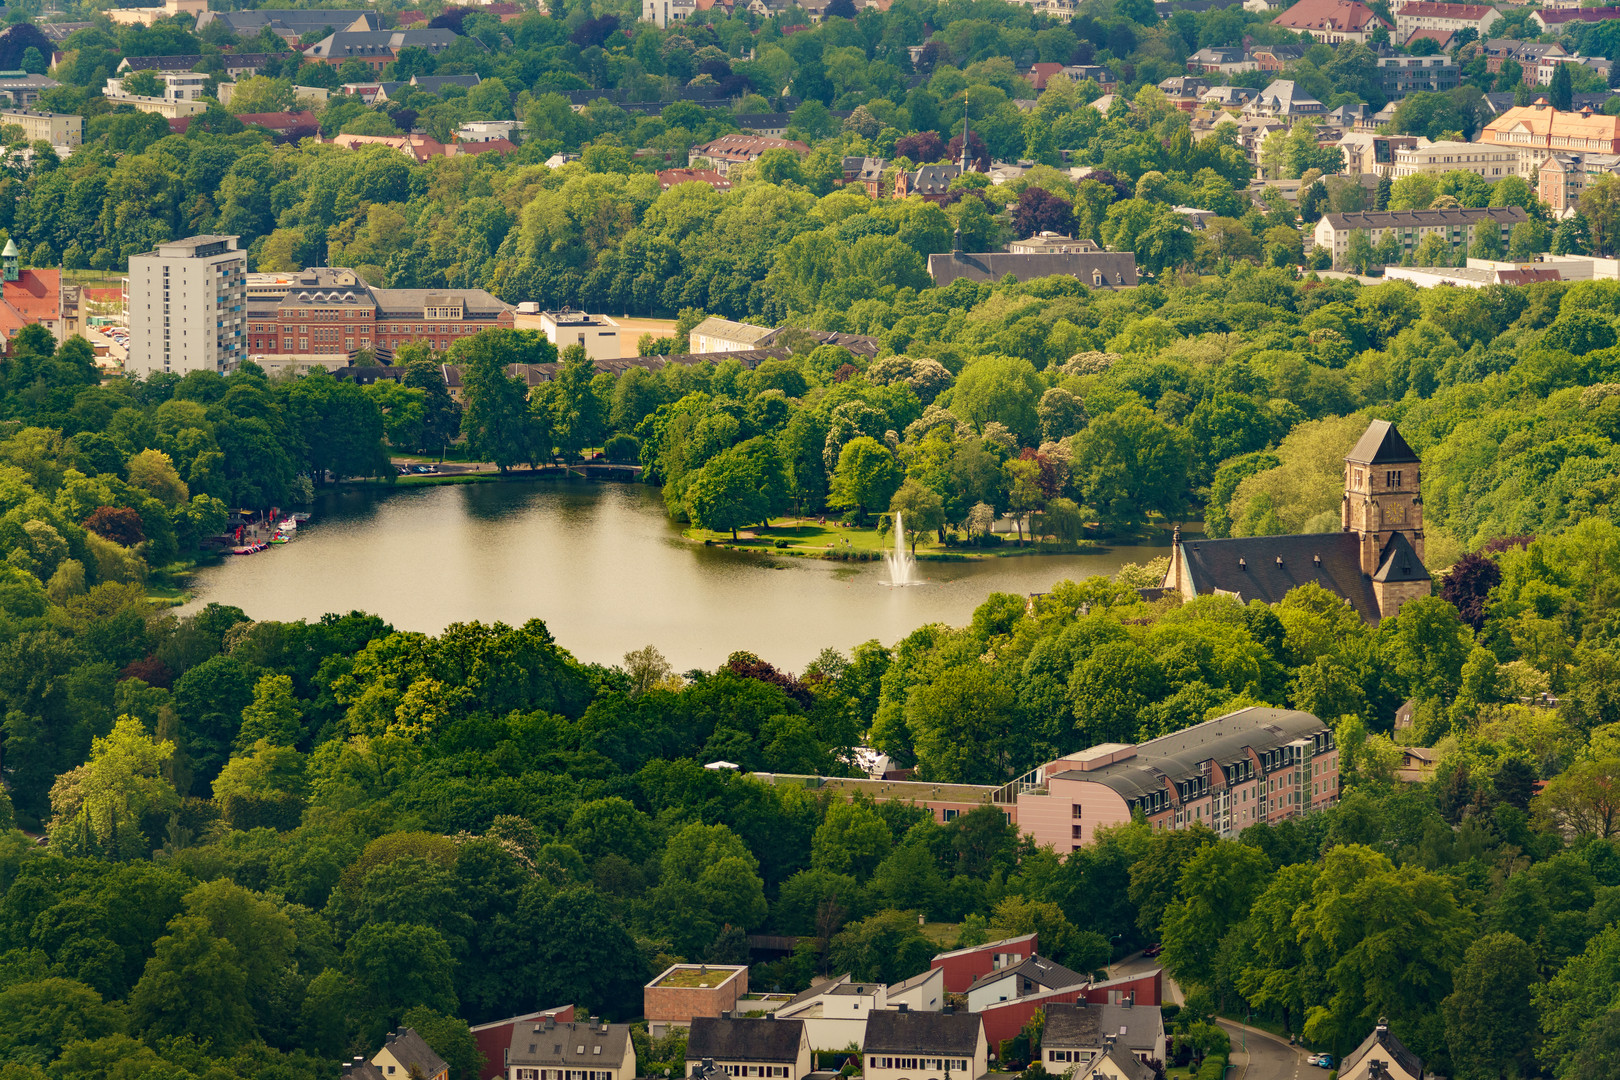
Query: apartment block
{"points": [[58, 129], [187, 306]]}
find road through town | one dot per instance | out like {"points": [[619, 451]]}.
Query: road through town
{"points": [[1256, 1054]]}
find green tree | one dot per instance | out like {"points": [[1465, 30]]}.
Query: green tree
{"points": [[495, 417], [98, 807], [922, 508], [725, 494], [195, 984], [1129, 462], [867, 476], [1218, 886], [1490, 1023]]}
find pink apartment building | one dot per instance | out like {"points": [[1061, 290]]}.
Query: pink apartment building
{"points": [[1253, 765]]}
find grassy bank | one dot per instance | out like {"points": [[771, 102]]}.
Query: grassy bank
{"points": [[808, 538]]}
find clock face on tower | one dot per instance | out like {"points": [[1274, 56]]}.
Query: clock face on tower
{"points": [[1394, 515]]}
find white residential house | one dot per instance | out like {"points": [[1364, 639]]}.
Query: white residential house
{"points": [[1381, 1055], [723, 335], [1075, 1034], [905, 1045], [543, 1049], [766, 1047], [1032, 976], [663, 13], [1426, 15]]}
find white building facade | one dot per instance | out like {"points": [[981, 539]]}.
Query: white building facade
{"points": [[187, 306]]}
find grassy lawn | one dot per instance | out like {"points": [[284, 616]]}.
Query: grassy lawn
{"points": [[943, 934], [808, 536]]}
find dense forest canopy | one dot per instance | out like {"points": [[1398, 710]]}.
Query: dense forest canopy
{"points": [[269, 842]]}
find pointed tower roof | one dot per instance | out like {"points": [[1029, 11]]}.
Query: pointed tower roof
{"points": [[1380, 444], [11, 251], [1400, 562]]}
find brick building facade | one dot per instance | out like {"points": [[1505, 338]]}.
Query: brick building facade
{"points": [[332, 312]]}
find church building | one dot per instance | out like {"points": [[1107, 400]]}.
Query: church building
{"points": [[1375, 561]]}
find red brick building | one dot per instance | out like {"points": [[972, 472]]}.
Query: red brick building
{"points": [[331, 312], [685, 991]]}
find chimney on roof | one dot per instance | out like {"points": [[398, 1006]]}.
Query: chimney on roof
{"points": [[725, 1014], [903, 1007]]}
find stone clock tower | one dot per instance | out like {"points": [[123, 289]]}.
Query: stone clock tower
{"points": [[1383, 506]]}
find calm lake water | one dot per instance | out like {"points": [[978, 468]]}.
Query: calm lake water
{"points": [[606, 570]]}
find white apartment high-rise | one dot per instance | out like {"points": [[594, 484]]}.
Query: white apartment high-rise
{"points": [[187, 306]]}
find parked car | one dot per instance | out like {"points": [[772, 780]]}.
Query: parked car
{"points": [[1324, 1061], [1153, 950], [1313, 1059], [426, 469]]}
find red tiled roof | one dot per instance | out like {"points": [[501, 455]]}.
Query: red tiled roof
{"points": [[1039, 73], [1329, 15], [36, 294], [280, 121], [498, 146], [1441, 38], [1579, 15], [1471, 12]]}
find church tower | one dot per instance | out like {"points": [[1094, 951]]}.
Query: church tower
{"points": [[1383, 506]]}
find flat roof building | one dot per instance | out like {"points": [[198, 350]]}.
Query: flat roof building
{"points": [[187, 306]]}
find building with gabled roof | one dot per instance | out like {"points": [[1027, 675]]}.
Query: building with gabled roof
{"points": [[546, 1047], [1538, 131], [1428, 15], [1457, 227], [376, 48], [1375, 561], [1381, 1056], [1076, 1033], [1116, 1062], [905, 1045], [761, 1046], [290, 24], [1030, 976], [405, 1055], [1549, 20], [965, 966], [728, 151], [1332, 21]]}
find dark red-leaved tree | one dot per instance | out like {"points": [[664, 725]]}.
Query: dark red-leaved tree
{"points": [[118, 524], [1468, 584], [451, 19], [980, 153], [1051, 480], [840, 9], [1038, 210], [923, 148], [1122, 189], [595, 31], [748, 666], [845, 373], [1506, 543], [151, 671], [932, 54]]}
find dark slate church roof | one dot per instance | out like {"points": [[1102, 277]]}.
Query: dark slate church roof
{"points": [[1400, 562], [1381, 444], [1264, 568]]}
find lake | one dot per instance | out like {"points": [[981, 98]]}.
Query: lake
{"points": [[608, 572]]}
